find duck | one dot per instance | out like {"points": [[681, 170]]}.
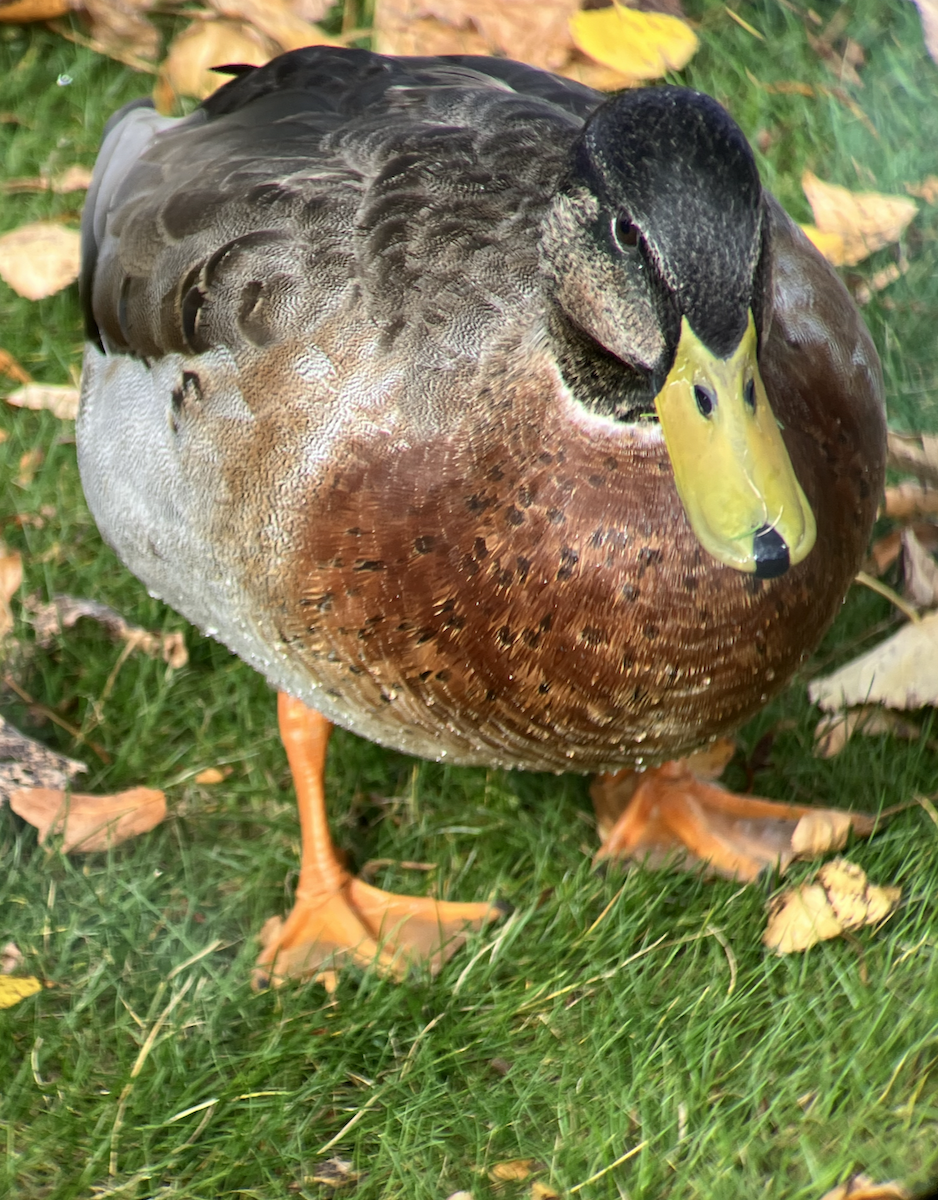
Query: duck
{"points": [[492, 418]]}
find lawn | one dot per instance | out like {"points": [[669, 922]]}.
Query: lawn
{"points": [[150, 1069]]}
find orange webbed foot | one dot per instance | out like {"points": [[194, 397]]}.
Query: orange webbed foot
{"points": [[337, 918], [675, 817]]}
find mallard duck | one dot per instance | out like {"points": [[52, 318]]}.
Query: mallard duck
{"points": [[494, 419]]}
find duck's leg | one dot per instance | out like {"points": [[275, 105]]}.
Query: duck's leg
{"points": [[337, 918], [674, 816]]}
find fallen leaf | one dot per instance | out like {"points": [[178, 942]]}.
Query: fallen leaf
{"points": [[825, 830], [919, 572], [927, 190], [39, 259], [187, 71], [50, 619], [901, 672], [460, 1196], [11, 578], [864, 222], [12, 369], [11, 958], [21, 12], [15, 988], [862, 1187], [532, 31], [835, 729], [29, 464], [908, 500], [914, 453], [514, 1170], [841, 900], [276, 20], [87, 823], [593, 74], [61, 399], [212, 775], [543, 1191], [72, 179], [27, 763], [121, 27], [335, 1173], [640, 45], [928, 11]]}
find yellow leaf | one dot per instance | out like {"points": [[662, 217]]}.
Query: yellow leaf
{"points": [[831, 245], [212, 775], [865, 221], [637, 44], [39, 259], [206, 44], [13, 989], [513, 1170]]}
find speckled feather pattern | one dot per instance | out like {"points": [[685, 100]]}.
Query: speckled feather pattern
{"points": [[325, 421]]}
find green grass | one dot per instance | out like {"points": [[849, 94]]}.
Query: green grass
{"points": [[742, 1075]]}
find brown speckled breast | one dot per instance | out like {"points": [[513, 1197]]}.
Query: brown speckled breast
{"points": [[527, 591]]}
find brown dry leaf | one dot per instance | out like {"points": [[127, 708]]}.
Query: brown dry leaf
{"points": [[914, 453], [15, 988], [928, 11], [854, 224], [862, 1187], [532, 31], [11, 578], [639, 45], [841, 900], [120, 27], [27, 763], [908, 500], [29, 464], [825, 830], [835, 729], [543, 1191], [919, 572], [72, 179], [901, 672], [61, 399], [11, 958], [87, 823], [275, 19], [21, 12], [187, 71], [213, 775], [39, 259], [514, 1170], [927, 190], [50, 619], [12, 369], [334, 1173]]}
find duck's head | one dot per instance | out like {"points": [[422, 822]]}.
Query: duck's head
{"points": [[655, 245]]}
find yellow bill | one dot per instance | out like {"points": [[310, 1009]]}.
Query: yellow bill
{"points": [[731, 468]]}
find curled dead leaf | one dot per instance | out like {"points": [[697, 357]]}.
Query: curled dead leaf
{"points": [[841, 899], [50, 619], [212, 775], [901, 672], [14, 988], [276, 20], [21, 12], [835, 729], [12, 369], [854, 224], [514, 1170], [39, 259], [639, 45], [532, 31], [61, 399], [87, 823], [11, 578], [825, 830], [543, 1191], [187, 69], [862, 1187]]}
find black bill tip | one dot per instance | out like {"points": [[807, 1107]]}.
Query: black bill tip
{"points": [[770, 552]]}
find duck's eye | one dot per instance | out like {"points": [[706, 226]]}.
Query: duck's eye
{"points": [[749, 395], [705, 398], [626, 234]]}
